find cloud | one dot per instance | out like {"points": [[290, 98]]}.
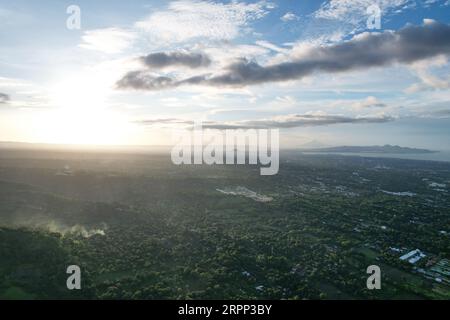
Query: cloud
{"points": [[442, 3], [26, 95], [163, 121], [192, 19], [369, 102], [271, 46], [162, 60], [108, 40], [288, 121], [428, 80], [293, 121], [4, 98], [289, 16], [366, 50], [142, 80], [434, 114], [350, 17], [354, 11]]}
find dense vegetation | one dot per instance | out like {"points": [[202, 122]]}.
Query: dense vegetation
{"points": [[142, 228]]}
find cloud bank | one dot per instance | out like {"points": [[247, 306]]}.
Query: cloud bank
{"points": [[354, 11], [286, 122], [192, 19], [367, 50], [163, 60]]}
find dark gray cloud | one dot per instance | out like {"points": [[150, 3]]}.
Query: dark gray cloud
{"points": [[295, 121], [407, 45], [163, 59], [142, 80], [145, 80], [4, 97], [291, 121]]}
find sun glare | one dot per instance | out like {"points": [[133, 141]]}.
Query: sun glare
{"points": [[80, 115], [80, 92]]}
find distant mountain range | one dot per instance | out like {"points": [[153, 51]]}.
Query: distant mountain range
{"points": [[313, 146], [370, 149]]}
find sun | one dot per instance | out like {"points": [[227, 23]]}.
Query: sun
{"points": [[80, 92], [80, 114]]}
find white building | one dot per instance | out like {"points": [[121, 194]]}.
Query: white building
{"points": [[413, 256]]}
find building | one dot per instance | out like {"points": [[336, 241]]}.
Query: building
{"points": [[413, 256]]}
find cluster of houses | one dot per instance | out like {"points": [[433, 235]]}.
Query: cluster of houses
{"points": [[440, 272], [435, 270]]}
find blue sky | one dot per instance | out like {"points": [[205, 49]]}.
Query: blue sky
{"points": [[104, 83]]}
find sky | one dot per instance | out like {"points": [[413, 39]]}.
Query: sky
{"points": [[130, 72]]}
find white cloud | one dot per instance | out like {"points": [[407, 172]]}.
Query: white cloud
{"points": [[271, 46], [301, 49], [287, 100], [369, 102], [108, 40], [354, 11], [23, 94], [350, 16], [428, 3], [192, 19], [428, 81], [289, 17]]}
